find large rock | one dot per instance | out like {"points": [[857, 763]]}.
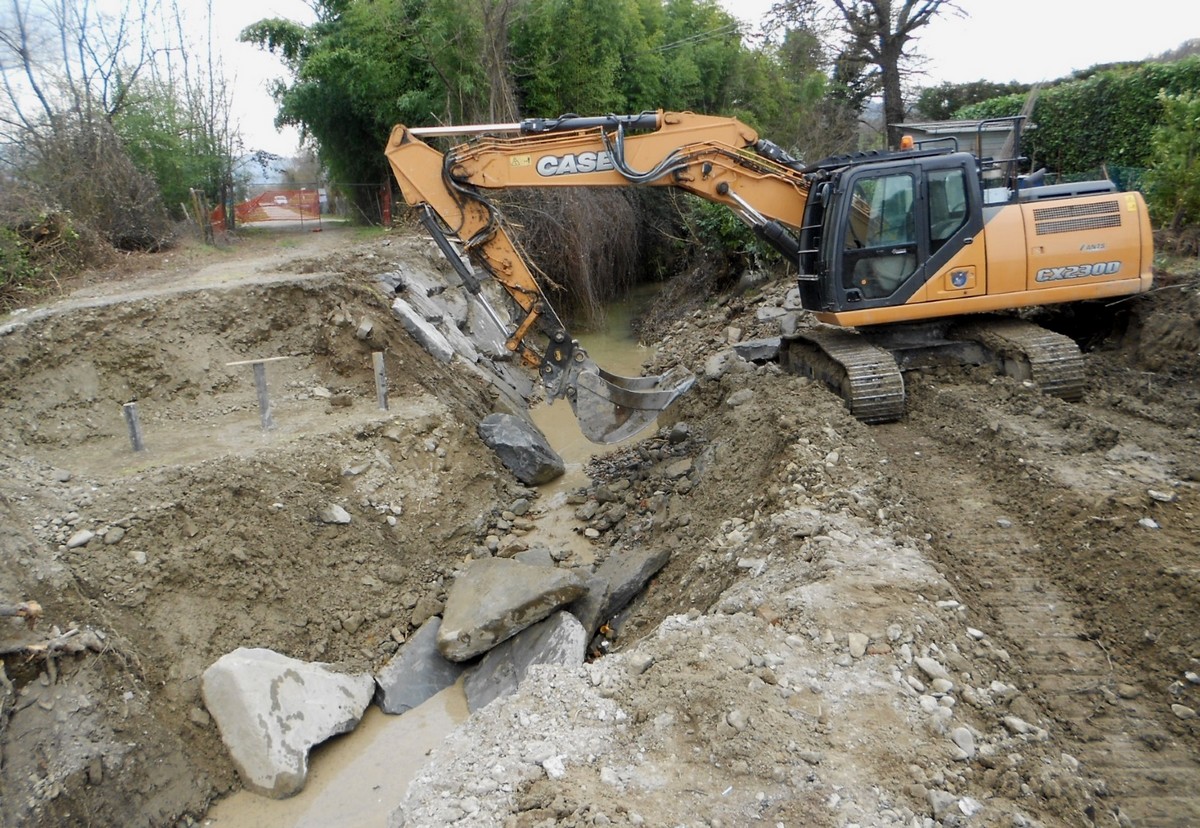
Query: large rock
{"points": [[725, 362], [415, 673], [462, 344], [496, 598], [437, 312], [522, 448], [484, 330], [559, 639], [271, 710], [589, 609], [758, 350], [627, 572], [426, 302], [510, 379], [430, 338]]}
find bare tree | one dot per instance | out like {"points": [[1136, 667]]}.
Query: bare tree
{"points": [[66, 72], [195, 76], [100, 112], [502, 100], [62, 56], [876, 37], [62, 64]]}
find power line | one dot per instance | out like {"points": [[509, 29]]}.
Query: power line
{"points": [[702, 36]]}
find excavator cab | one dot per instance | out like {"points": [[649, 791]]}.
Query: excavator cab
{"points": [[873, 232]]}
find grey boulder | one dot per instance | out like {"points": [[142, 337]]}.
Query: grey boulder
{"points": [[560, 639], [416, 672], [496, 598], [272, 709], [522, 448]]}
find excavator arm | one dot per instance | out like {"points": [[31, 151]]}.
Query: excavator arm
{"points": [[719, 159]]}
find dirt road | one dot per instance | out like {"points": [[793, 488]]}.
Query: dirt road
{"points": [[982, 615]]}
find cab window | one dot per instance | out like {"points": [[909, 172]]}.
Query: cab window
{"points": [[947, 205]]}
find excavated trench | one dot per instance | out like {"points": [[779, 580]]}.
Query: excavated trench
{"points": [[357, 779], [1064, 531], [213, 537]]}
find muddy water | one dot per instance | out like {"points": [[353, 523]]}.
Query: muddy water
{"points": [[360, 778], [357, 779], [613, 348]]}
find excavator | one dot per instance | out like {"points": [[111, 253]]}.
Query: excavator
{"points": [[905, 258]]}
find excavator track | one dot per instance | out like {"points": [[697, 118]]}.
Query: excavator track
{"points": [[1026, 351], [865, 376]]}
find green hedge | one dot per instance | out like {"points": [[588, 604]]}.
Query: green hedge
{"points": [[1105, 119]]}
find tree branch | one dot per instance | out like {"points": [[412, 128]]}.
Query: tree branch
{"points": [[26, 58]]}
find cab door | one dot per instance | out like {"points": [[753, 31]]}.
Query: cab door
{"points": [[898, 225], [877, 246]]}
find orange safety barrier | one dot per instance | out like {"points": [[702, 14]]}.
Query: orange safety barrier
{"points": [[280, 205]]}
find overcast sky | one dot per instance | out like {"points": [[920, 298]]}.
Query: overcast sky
{"points": [[252, 69], [1035, 40], [998, 40]]}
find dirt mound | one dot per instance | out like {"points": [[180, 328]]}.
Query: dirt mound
{"points": [[980, 615], [212, 537]]}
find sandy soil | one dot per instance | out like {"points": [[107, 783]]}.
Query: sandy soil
{"points": [[982, 615]]}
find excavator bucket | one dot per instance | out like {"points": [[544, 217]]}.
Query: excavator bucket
{"points": [[611, 408]]}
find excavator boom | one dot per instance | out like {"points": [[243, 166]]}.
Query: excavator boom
{"points": [[711, 156]]}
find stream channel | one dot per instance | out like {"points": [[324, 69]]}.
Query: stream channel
{"points": [[358, 779]]}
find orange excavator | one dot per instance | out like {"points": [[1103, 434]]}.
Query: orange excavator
{"points": [[905, 258]]}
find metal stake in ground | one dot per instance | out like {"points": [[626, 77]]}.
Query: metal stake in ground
{"points": [[381, 387], [260, 384], [135, 426], [264, 401]]}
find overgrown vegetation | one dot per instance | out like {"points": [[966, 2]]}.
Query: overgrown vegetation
{"points": [[946, 101], [1107, 118], [803, 81], [112, 118], [1173, 181], [584, 263], [37, 246], [1174, 178], [108, 116]]}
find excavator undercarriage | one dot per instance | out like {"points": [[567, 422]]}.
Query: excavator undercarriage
{"points": [[866, 368]]}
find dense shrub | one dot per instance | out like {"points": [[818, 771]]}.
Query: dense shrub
{"points": [[1108, 118], [84, 166], [1173, 180], [587, 244], [38, 247]]}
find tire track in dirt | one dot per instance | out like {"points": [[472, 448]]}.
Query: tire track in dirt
{"points": [[991, 540]]}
